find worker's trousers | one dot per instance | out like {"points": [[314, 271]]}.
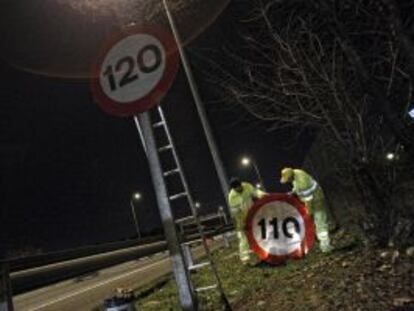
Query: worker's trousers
{"points": [[320, 218], [244, 248]]}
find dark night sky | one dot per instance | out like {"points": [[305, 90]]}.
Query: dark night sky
{"points": [[67, 170]]}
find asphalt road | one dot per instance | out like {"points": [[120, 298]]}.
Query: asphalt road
{"points": [[89, 291]]}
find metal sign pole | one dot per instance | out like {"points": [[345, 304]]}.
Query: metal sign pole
{"points": [[200, 106], [6, 298], [187, 298]]}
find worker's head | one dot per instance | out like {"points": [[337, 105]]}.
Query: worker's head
{"points": [[286, 175], [236, 184]]}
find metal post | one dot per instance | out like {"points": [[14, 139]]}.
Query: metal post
{"points": [[259, 176], [187, 298], [6, 297], [224, 217], [200, 106], [134, 214]]}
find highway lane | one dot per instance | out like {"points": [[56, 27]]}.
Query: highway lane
{"points": [[26, 280], [89, 291]]}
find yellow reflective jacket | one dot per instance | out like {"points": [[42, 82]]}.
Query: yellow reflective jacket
{"points": [[240, 203], [308, 190]]}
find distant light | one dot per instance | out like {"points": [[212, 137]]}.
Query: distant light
{"points": [[258, 186], [245, 161], [390, 156], [411, 110], [137, 196], [197, 204], [411, 113]]}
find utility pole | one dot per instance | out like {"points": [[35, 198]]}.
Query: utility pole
{"points": [[247, 162], [200, 106], [134, 215], [259, 176]]}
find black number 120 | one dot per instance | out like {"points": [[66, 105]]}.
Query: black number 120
{"points": [[127, 65]]}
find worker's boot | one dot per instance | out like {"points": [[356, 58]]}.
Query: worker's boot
{"points": [[324, 242], [245, 260]]}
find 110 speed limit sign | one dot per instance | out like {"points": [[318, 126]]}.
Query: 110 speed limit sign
{"points": [[279, 227], [134, 70]]}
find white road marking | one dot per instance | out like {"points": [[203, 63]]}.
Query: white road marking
{"points": [[95, 286]]}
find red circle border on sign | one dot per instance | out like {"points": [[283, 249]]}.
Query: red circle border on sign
{"points": [[307, 241], [152, 98]]}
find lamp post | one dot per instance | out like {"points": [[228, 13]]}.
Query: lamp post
{"points": [[214, 150], [245, 161], [135, 197]]}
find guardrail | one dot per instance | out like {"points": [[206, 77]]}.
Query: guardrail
{"points": [[23, 263], [26, 280], [26, 275]]}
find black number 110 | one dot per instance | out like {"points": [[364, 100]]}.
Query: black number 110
{"points": [[275, 223]]}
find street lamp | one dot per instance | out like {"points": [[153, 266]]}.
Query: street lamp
{"points": [[135, 198], [390, 156], [246, 161]]}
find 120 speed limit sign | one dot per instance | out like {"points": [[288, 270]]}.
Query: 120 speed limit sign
{"points": [[279, 227], [134, 70]]}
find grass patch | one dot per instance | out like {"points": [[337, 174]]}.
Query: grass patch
{"points": [[350, 278]]}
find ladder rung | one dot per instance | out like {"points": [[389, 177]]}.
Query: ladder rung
{"points": [[158, 124], [206, 288], [172, 172], [184, 219], [165, 148], [198, 266], [178, 195], [193, 242]]}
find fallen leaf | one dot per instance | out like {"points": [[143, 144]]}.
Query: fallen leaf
{"points": [[402, 301], [384, 254], [395, 256], [384, 268]]}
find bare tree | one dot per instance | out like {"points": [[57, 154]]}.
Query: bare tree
{"points": [[335, 67]]}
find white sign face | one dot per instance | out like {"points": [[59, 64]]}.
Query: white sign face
{"points": [[278, 228], [132, 68]]}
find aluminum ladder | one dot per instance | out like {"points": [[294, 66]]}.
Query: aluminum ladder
{"points": [[161, 127]]}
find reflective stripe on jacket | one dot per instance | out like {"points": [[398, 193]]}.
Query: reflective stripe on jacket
{"points": [[303, 184]]}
